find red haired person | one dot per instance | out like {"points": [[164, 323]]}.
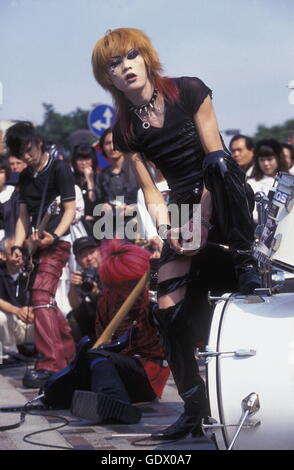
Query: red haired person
{"points": [[138, 372], [171, 121]]}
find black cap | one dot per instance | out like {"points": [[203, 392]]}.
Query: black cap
{"points": [[83, 242]]}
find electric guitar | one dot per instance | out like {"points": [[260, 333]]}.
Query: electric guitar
{"points": [[60, 387], [31, 247]]}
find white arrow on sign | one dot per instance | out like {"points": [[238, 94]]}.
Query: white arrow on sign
{"points": [[106, 123]]}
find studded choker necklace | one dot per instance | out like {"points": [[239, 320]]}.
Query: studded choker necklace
{"points": [[143, 111]]}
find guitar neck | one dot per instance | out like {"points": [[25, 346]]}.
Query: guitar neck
{"points": [[31, 247], [122, 312]]}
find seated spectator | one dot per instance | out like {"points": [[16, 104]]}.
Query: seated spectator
{"points": [[268, 161], [288, 154], [16, 167], [8, 201], [16, 319], [116, 185], [138, 372], [84, 288], [84, 164]]}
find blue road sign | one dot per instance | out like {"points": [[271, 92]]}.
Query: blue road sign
{"points": [[101, 118]]}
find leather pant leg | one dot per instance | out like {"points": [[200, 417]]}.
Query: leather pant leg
{"points": [[52, 333]]}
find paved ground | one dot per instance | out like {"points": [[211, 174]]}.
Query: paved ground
{"points": [[83, 435]]}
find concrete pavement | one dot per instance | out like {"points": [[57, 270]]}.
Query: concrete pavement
{"points": [[84, 435]]}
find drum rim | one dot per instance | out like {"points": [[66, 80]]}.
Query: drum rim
{"points": [[217, 374]]}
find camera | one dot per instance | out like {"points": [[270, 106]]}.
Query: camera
{"points": [[89, 277]]}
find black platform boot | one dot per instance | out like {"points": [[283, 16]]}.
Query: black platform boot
{"points": [[195, 410], [233, 202], [179, 352], [108, 400]]}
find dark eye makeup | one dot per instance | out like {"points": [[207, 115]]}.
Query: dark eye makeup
{"points": [[115, 61], [132, 54]]}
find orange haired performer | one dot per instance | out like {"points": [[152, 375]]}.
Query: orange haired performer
{"points": [[138, 372], [171, 121]]}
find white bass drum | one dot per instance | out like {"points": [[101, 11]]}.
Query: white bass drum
{"points": [[250, 372]]}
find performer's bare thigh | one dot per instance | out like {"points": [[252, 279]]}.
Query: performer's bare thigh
{"points": [[179, 267]]}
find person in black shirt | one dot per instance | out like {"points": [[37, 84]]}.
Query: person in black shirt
{"points": [[8, 201], [171, 121], [45, 178]]}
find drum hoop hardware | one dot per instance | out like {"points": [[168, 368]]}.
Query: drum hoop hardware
{"points": [[253, 298]]}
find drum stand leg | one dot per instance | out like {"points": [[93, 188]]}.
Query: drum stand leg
{"points": [[250, 405]]}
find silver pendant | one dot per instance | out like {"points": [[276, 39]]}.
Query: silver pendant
{"points": [[146, 125]]}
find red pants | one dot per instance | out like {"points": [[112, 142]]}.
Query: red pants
{"points": [[53, 337]]}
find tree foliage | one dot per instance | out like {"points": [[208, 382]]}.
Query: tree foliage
{"points": [[279, 132], [56, 128]]}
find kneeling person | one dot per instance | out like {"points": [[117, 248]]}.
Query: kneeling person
{"points": [[137, 372], [84, 288]]}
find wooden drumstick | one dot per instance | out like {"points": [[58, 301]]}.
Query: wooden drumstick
{"points": [[106, 336]]}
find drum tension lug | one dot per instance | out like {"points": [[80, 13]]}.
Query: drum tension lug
{"points": [[258, 295], [212, 299], [237, 353]]}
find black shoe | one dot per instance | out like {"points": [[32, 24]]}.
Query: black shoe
{"points": [[248, 280], [183, 426], [36, 378], [100, 408]]}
